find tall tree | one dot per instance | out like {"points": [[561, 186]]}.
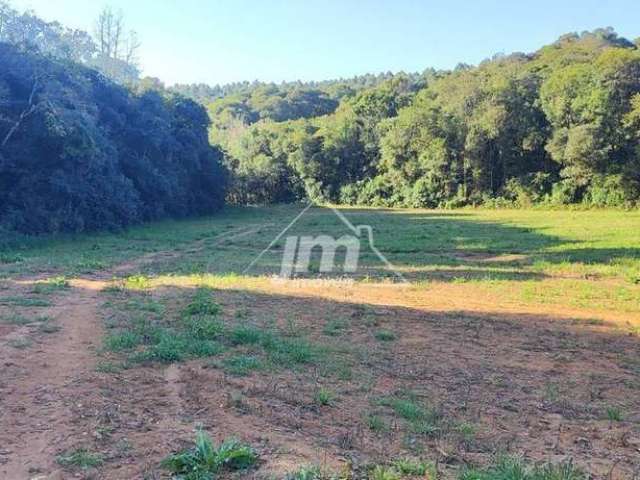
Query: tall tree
{"points": [[117, 49]]}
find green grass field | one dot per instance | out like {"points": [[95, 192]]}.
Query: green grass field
{"points": [[511, 352], [589, 258]]}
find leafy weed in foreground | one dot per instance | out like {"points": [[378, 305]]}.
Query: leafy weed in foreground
{"points": [[514, 468], [205, 459]]}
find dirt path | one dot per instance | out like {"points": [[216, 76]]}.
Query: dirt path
{"points": [[39, 386], [43, 385]]}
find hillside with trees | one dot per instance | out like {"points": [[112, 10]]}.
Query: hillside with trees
{"points": [[85, 143], [558, 126]]}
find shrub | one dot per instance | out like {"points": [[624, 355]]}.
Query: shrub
{"points": [[606, 191]]}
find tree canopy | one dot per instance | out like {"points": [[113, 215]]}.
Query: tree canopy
{"points": [[559, 125], [79, 152]]}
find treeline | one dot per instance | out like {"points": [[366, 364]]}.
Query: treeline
{"points": [[203, 93], [79, 152], [559, 126]]}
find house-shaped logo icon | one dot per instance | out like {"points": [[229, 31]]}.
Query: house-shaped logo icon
{"points": [[297, 251]]}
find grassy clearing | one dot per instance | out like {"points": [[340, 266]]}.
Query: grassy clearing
{"points": [[485, 334], [587, 259]]}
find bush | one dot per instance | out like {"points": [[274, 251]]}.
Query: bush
{"points": [[528, 190], [564, 192], [606, 191]]}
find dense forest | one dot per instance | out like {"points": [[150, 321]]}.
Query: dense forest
{"points": [[85, 143], [79, 151], [558, 126]]}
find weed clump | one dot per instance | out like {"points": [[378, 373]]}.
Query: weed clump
{"points": [[202, 304], [80, 458], [514, 468], [422, 420], [241, 365], [205, 460], [385, 336]]}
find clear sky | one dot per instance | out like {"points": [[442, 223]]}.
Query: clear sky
{"points": [[220, 41]]}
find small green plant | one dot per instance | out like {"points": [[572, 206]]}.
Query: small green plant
{"points": [[11, 258], [241, 365], [114, 288], [323, 396], [145, 305], [614, 414], [561, 471], [406, 408], [376, 423], [422, 420], [80, 458], [334, 328], [305, 473], [466, 430], [202, 304], [385, 336], [108, 367], [203, 328], [314, 472], [205, 460], [414, 468], [248, 335], [120, 341], [551, 392], [514, 468], [381, 472], [89, 265], [284, 352], [25, 302]]}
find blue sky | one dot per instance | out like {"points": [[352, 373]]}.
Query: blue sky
{"points": [[219, 41]]}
